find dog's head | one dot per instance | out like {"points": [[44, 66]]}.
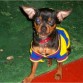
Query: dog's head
{"points": [[45, 19]]}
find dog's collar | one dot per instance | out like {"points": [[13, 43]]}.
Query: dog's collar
{"points": [[45, 40]]}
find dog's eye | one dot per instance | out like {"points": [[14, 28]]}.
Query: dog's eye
{"points": [[51, 23], [38, 21]]}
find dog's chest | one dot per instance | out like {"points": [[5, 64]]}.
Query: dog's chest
{"points": [[44, 50]]}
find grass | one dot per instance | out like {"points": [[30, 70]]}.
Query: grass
{"points": [[16, 35]]}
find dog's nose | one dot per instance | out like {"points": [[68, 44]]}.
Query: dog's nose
{"points": [[43, 29]]}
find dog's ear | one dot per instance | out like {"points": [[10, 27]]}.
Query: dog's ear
{"points": [[29, 11], [61, 15]]}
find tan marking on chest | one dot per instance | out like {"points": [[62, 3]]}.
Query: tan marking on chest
{"points": [[44, 51]]}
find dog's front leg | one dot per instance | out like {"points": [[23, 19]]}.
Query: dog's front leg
{"points": [[58, 75], [32, 74]]}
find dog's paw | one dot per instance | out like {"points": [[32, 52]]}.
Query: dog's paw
{"points": [[58, 76], [28, 79]]}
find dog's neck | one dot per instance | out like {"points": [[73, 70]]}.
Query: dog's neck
{"points": [[50, 41], [46, 40]]}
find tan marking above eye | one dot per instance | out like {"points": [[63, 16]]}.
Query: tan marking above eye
{"points": [[49, 19], [40, 17]]}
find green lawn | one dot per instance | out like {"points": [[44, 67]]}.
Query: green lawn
{"points": [[16, 35]]}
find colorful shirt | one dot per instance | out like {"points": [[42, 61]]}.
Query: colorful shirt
{"points": [[61, 53]]}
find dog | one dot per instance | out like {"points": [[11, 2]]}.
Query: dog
{"points": [[49, 41]]}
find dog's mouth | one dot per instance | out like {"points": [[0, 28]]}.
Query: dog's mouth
{"points": [[43, 35], [45, 32]]}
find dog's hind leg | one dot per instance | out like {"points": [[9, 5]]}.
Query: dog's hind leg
{"points": [[49, 62]]}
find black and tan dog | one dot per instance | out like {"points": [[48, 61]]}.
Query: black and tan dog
{"points": [[49, 41]]}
